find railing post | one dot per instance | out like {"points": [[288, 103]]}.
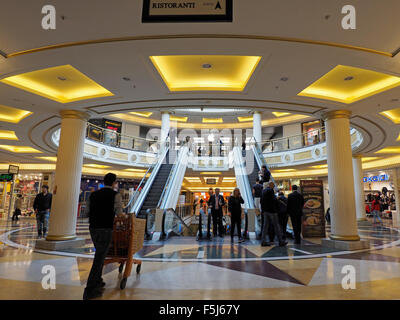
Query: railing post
{"points": [[163, 234]]}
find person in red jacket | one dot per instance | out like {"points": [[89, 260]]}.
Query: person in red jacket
{"points": [[376, 209]]}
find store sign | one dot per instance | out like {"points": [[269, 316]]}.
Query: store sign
{"points": [[6, 177], [211, 181], [313, 219], [187, 11], [13, 169], [382, 177]]}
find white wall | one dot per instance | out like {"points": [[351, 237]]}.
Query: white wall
{"points": [[291, 129]]}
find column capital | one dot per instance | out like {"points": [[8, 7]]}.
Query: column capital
{"points": [[336, 114], [357, 156], [74, 114], [256, 112]]}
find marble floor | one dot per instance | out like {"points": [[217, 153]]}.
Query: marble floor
{"points": [[182, 268]]}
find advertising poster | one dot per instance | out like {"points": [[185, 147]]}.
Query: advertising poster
{"points": [[313, 211]]}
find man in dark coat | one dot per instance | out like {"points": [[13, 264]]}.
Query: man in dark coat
{"points": [[269, 207], [295, 210], [216, 202]]}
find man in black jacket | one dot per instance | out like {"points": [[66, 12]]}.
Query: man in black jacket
{"points": [[282, 214], [42, 206], [295, 211], [269, 207], [216, 202], [102, 207]]}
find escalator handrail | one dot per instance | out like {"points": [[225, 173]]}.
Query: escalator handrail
{"points": [[139, 186], [170, 179], [179, 218], [240, 169], [259, 156], [143, 194]]}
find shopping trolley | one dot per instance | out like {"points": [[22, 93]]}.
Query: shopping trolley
{"points": [[127, 239]]}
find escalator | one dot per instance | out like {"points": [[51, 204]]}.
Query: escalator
{"points": [[159, 184]]}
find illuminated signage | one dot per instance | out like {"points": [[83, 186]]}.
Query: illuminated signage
{"points": [[382, 177], [6, 177]]}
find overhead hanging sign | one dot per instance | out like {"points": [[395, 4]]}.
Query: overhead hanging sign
{"points": [[13, 169], [187, 11]]}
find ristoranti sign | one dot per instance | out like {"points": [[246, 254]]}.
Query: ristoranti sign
{"points": [[187, 11]]}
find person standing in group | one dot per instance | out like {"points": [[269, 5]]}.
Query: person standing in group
{"points": [[282, 213], [295, 206], [210, 193], [269, 208], [234, 206], [202, 216], [376, 209], [17, 207], [216, 203], [257, 192], [42, 206], [102, 206]]}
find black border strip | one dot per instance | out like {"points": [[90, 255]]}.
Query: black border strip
{"points": [[147, 18]]}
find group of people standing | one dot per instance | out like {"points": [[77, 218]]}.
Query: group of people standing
{"points": [[275, 211]]}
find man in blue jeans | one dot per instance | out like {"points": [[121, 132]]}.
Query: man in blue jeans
{"points": [[42, 206], [102, 206]]}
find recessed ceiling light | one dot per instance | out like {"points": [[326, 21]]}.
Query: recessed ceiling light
{"points": [[284, 79], [226, 72], [126, 79], [280, 114], [19, 149], [44, 83], [8, 135], [13, 115], [365, 83]]}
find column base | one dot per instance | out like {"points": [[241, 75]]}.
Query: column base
{"points": [[59, 245], [348, 245]]}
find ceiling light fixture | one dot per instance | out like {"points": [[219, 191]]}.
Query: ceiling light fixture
{"points": [[206, 66]]}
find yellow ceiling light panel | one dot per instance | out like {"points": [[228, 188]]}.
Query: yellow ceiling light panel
{"points": [[135, 170], [284, 170], [179, 119], [94, 165], [8, 135], [142, 114], [212, 172], [349, 84], [280, 114], [205, 72], [63, 84], [245, 119], [53, 159], [19, 149], [393, 114], [367, 159], [212, 120], [393, 149], [13, 115], [320, 166]]}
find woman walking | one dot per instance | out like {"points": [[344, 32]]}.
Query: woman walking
{"points": [[235, 209], [376, 209]]}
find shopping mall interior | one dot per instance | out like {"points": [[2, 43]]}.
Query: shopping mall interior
{"points": [[176, 100]]}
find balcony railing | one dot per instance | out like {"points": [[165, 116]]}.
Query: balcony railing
{"points": [[118, 140], [303, 140]]}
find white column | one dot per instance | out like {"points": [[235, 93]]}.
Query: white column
{"points": [[257, 126], [62, 224], [340, 176], [396, 214], [359, 188], [165, 125]]}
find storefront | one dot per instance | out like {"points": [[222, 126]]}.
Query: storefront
{"points": [[380, 183]]}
